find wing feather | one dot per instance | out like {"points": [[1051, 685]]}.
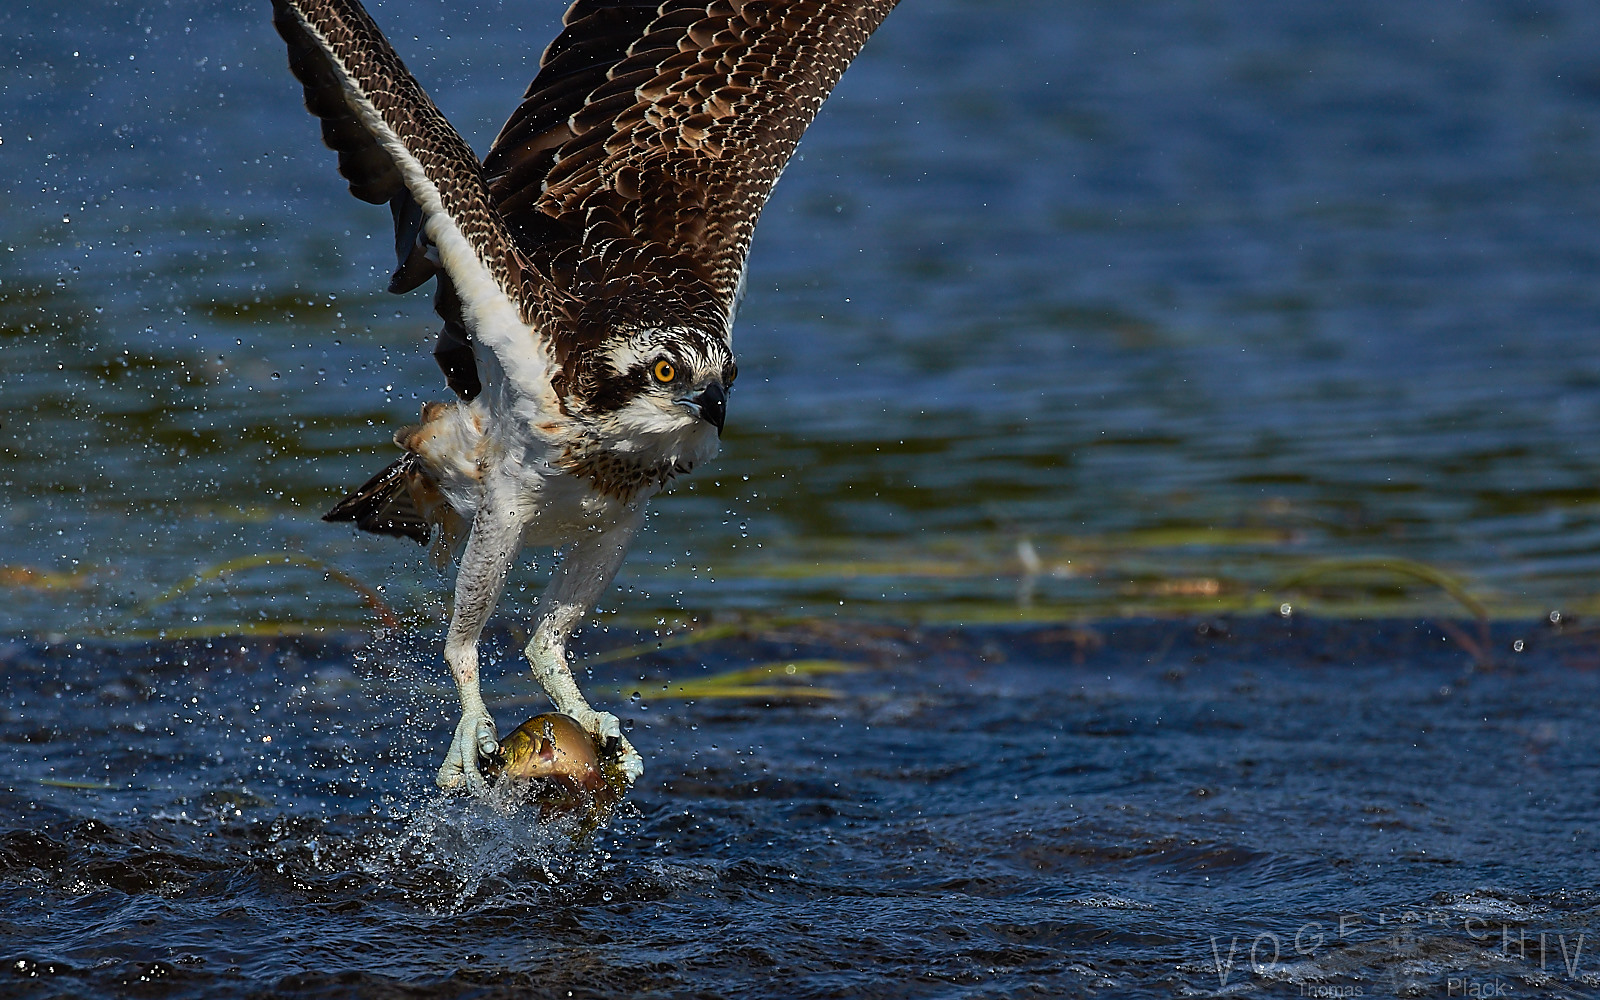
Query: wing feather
{"points": [[377, 110], [622, 192], [666, 124]]}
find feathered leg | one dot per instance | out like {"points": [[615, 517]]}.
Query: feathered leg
{"points": [[496, 537], [580, 581]]}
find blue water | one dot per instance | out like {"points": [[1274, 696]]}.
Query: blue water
{"points": [[1294, 281], [1084, 314], [1137, 809]]}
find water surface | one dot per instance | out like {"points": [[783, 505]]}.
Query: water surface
{"points": [[1186, 296], [1112, 317], [1139, 809]]}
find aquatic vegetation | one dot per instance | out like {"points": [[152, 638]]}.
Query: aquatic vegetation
{"points": [[1384, 566], [1113, 577], [768, 681], [30, 578], [217, 571]]}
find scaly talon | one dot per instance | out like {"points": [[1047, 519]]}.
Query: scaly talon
{"points": [[604, 725], [608, 732], [475, 739], [632, 764]]}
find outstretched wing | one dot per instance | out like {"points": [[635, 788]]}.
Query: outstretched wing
{"points": [[394, 145], [624, 189], [655, 131]]}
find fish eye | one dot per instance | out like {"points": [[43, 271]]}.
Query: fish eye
{"points": [[664, 372]]}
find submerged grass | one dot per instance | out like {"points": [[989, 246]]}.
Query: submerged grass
{"points": [[30, 578], [1478, 647], [766, 680], [1169, 572], [776, 681], [1389, 566], [380, 608]]}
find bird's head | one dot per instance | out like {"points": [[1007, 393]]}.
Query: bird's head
{"points": [[661, 389]]}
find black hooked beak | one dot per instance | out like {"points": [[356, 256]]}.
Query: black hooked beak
{"points": [[713, 403]]}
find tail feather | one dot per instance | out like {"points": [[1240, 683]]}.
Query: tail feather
{"points": [[384, 505]]}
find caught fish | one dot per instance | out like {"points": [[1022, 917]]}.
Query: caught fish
{"points": [[557, 763]]}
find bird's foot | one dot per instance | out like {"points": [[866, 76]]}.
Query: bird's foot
{"points": [[608, 732], [475, 739]]}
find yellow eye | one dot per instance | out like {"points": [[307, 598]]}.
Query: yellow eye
{"points": [[664, 371]]}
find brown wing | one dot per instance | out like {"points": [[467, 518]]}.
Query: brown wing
{"points": [[393, 142], [395, 145], [654, 131]]}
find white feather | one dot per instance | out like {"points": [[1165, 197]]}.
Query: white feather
{"points": [[486, 309]]}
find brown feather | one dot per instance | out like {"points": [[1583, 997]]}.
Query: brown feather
{"points": [[622, 193], [383, 504], [349, 36], [670, 122]]}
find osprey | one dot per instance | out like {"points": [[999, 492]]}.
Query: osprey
{"points": [[587, 272]]}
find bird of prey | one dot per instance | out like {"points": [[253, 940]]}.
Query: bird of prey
{"points": [[587, 272]]}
